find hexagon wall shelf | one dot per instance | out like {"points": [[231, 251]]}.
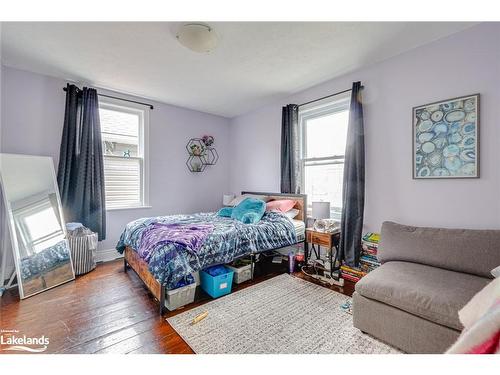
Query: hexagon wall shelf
{"points": [[211, 156], [200, 156], [195, 163]]}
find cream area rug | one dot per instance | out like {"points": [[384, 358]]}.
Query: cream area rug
{"points": [[284, 314]]}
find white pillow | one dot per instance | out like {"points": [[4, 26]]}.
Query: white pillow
{"points": [[240, 198], [496, 272], [480, 303], [292, 214]]}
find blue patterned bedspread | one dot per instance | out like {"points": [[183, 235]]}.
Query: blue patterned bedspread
{"points": [[45, 260], [230, 239]]}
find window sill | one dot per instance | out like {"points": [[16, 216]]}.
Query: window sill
{"points": [[128, 208]]}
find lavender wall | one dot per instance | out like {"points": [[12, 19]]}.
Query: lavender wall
{"points": [[32, 112], [462, 64], [32, 119]]}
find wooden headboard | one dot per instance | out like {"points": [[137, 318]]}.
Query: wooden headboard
{"points": [[301, 199]]}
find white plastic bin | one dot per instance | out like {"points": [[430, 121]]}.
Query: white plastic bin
{"points": [[179, 297], [196, 277], [241, 274]]}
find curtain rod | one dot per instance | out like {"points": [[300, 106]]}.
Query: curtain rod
{"points": [[125, 100], [327, 96]]}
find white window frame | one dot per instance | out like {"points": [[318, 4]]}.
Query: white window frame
{"points": [[328, 106], [143, 112], [21, 215]]}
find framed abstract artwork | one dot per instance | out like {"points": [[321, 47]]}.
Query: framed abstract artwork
{"points": [[446, 139]]}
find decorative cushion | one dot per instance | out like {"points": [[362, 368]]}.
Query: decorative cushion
{"points": [[282, 205], [496, 272], [225, 212], [250, 211], [480, 304]]}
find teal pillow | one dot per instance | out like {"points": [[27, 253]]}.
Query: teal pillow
{"points": [[225, 212], [249, 211], [250, 218]]}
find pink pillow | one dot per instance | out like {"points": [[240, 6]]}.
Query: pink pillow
{"points": [[282, 205]]}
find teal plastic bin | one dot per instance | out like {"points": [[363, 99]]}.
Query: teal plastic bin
{"points": [[217, 286]]}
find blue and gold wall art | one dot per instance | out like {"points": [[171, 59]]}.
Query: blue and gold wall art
{"points": [[446, 139]]}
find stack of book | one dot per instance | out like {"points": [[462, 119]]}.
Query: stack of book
{"points": [[368, 261], [351, 273], [369, 247]]}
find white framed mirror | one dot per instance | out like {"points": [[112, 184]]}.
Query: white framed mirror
{"points": [[37, 229]]}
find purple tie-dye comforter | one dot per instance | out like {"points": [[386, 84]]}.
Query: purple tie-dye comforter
{"points": [[187, 236], [177, 246]]}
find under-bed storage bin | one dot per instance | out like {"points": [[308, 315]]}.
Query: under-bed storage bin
{"points": [[179, 297], [196, 277], [242, 273], [217, 286]]}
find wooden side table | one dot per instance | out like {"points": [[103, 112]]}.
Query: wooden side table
{"points": [[329, 240]]}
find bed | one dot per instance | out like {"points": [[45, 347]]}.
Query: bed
{"points": [[164, 263]]}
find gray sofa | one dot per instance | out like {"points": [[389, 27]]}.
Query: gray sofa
{"points": [[427, 275]]}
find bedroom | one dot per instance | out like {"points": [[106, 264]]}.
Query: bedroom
{"points": [[227, 183]]}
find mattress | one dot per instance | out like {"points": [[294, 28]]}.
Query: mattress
{"points": [[300, 229], [203, 240]]}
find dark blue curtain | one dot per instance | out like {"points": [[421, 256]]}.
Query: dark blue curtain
{"points": [[289, 149], [66, 176], [353, 194], [80, 175]]}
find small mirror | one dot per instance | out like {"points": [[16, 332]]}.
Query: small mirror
{"points": [[36, 223]]}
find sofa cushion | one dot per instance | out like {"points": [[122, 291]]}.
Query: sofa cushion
{"points": [[432, 293], [464, 250]]}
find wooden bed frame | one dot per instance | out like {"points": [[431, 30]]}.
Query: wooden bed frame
{"points": [[131, 258]]}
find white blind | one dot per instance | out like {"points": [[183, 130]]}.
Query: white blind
{"points": [[122, 181], [123, 136]]}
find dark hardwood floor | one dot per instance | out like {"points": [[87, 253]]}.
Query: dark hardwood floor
{"points": [[105, 311]]}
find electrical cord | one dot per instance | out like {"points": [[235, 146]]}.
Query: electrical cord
{"points": [[314, 276], [316, 266]]}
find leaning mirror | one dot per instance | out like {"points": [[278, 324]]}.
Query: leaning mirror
{"points": [[37, 229]]}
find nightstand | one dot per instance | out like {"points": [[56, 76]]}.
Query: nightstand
{"points": [[329, 240]]}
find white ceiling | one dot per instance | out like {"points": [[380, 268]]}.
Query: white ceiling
{"points": [[254, 63]]}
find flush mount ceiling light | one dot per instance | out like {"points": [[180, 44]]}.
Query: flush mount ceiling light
{"points": [[197, 37]]}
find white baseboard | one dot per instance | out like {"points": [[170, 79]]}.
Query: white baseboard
{"points": [[107, 255]]}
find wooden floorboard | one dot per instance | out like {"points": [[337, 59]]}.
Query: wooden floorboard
{"points": [[105, 311]]}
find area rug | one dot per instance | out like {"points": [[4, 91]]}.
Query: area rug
{"points": [[284, 314]]}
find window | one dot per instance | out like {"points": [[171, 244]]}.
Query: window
{"points": [[323, 134], [124, 129], [38, 226]]}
